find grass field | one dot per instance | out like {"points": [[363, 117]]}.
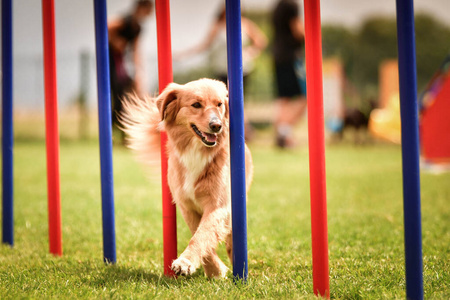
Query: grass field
{"points": [[364, 216]]}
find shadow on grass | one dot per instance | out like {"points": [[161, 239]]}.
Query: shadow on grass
{"points": [[128, 274], [114, 275]]}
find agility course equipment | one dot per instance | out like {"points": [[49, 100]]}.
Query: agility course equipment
{"points": [[238, 190], [237, 142], [51, 127], [410, 148], [52, 138], [316, 136], [7, 125], [105, 131], [434, 118], [409, 115], [165, 77]]}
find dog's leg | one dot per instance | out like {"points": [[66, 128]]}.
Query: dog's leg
{"points": [[229, 245], [183, 266], [214, 267], [212, 229]]}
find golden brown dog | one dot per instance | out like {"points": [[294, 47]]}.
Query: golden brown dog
{"points": [[195, 117]]}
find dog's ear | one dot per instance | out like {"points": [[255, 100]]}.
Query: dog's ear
{"points": [[167, 102], [227, 106], [224, 95]]}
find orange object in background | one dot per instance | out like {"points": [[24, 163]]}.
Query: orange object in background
{"points": [[388, 82], [384, 122]]}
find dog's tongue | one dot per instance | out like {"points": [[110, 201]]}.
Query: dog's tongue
{"points": [[210, 137]]}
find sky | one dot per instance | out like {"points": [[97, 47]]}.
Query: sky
{"points": [[190, 21]]}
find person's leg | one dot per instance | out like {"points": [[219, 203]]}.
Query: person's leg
{"points": [[296, 110], [289, 113], [283, 126], [290, 104]]}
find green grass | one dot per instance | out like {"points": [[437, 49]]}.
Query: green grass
{"points": [[365, 221]]}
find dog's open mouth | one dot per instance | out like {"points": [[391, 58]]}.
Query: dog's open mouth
{"points": [[209, 139]]}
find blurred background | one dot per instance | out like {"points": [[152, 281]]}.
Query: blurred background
{"points": [[359, 46]]}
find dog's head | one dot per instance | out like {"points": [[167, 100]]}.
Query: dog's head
{"points": [[198, 109]]}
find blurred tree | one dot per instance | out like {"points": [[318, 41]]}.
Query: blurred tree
{"points": [[340, 42], [363, 50], [375, 42], [432, 46]]}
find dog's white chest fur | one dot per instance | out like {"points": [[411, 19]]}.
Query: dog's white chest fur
{"points": [[195, 163]]}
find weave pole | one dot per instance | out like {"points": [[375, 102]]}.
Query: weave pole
{"points": [[319, 230], [165, 77], [105, 131], [51, 128], [237, 141], [7, 125], [410, 149]]}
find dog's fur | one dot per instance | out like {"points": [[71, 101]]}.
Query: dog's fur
{"points": [[195, 118]]}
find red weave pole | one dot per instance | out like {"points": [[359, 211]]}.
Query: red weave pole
{"points": [[166, 77], [51, 128], [319, 231]]}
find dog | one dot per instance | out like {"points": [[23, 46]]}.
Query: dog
{"points": [[358, 119], [195, 117]]}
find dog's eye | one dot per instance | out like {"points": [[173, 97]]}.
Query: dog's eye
{"points": [[196, 105], [219, 105]]}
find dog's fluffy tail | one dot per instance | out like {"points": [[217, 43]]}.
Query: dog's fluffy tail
{"points": [[140, 120]]}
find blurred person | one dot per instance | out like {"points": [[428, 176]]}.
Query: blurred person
{"points": [[290, 76], [124, 34], [254, 41]]}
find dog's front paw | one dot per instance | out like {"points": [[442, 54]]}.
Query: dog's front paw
{"points": [[183, 266]]}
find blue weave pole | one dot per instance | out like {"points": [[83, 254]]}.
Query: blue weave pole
{"points": [[105, 131], [410, 149], [237, 141], [7, 125]]}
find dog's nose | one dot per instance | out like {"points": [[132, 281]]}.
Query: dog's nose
{"points": [[215, 125]]}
